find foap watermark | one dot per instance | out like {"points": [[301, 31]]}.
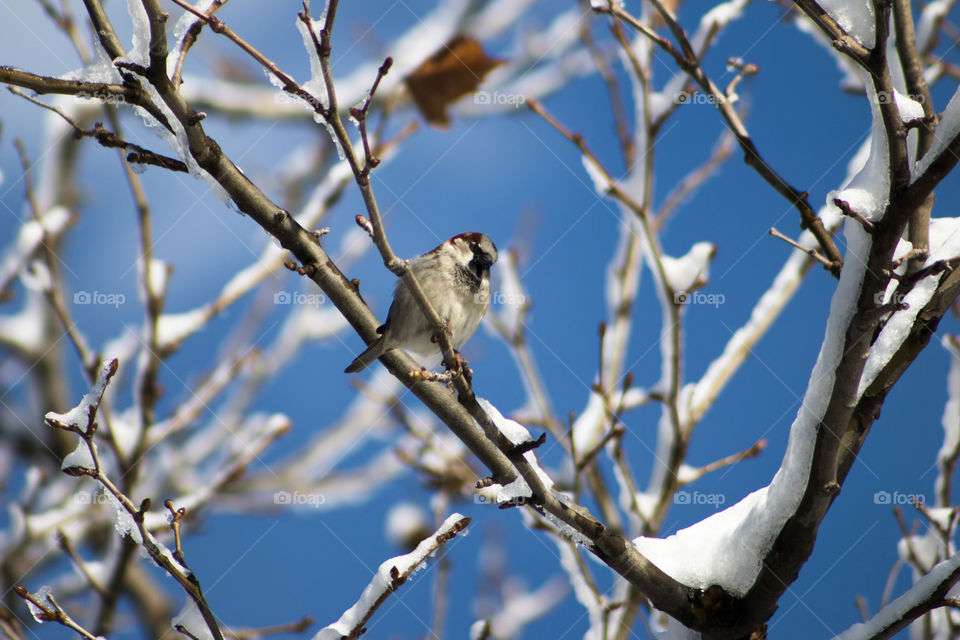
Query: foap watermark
{"points": [[99, 297], [686, 497], [498, 98], [697, 297], [95, 497], [697, 97], [298, 499], [896, 498], [499, 298], [897, 298], [515, 501], [885, 97], [304, 100], [298, 297], [105, 97]]}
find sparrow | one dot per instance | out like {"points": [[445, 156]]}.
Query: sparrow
{"points": [[456, 279]]}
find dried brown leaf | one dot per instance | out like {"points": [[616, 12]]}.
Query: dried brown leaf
{"points": [[455, 70]]}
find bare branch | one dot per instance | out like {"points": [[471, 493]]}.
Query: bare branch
{"points": [[689, 63]]}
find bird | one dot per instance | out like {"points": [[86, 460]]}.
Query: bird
{"points": [[455, 276]]}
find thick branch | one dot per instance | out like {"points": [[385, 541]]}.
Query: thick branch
{"points": [[91, 90], [840, 39], [918, 89], [666, 593]]}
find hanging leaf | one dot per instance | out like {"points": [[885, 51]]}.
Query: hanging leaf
{"points": [[455, 70]]}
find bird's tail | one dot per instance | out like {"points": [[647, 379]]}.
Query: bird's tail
{"points": [[362, 361]]}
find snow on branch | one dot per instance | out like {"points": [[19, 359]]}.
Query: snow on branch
{"points": [[926, 594], [32, 234], [80, 419], [130, 519], [390, 576], [950, 450], [517, 491], [521, 609]]}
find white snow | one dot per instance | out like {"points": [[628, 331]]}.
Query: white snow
{"points": [[405, 520], [622, 279], [635, 182], [186, 20], [713, 550], [509, 299], [315, 86], [100, 70], [685, 273], [663, 100], [728, 547], [867, 192], [581, 589], [21, 329], [920, 592], [139, 52], [498, 15], [80, 456], [28, 240], [522, 607], [165, 552], [479, 629], [929, 18], [79, 416], [123, 520], [126, 429], [192, 620], [666, 628], [174, 328], [41, 595], [944, 244], [517, 434], [588, 427], [946, 131], [562, 33], [601, 183], [562, 527], [37, 277], [716, 19], [851, 80], [909, 108], [737, 348], [951, 418], [767, 309], [245, 279], [381, 583], [159, 277], [856, 17]]}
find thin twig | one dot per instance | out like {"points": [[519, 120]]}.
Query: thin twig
{"points": [[67, 545], [796, 245], [695, 179], [51, 611], [688, 62], [298, 626], [109, 139], [189, 39], [627, 146], [750, 452], [360, 116], [848, 211]]}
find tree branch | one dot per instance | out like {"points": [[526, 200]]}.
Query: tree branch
{"points": [[688, 62]]}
